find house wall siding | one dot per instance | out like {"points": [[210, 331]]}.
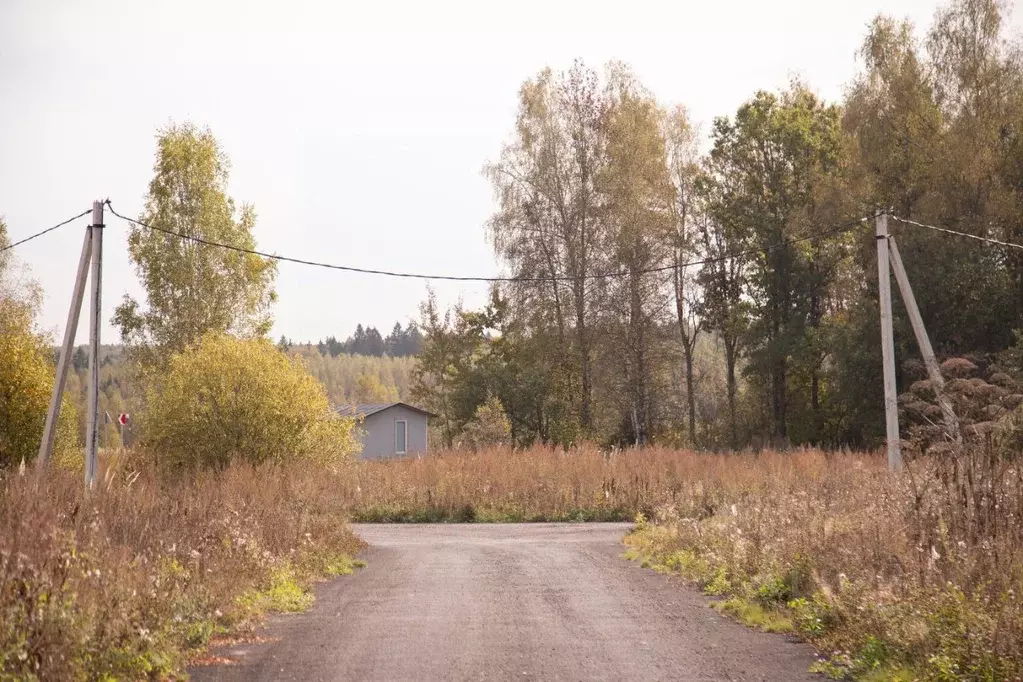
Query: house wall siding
{"points": [[378, 432]]}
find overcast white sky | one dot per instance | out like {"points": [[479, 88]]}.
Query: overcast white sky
{"points": [[358, 130]]}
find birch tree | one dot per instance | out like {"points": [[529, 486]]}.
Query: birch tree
{"points": [[193, 289], [547, 224]]}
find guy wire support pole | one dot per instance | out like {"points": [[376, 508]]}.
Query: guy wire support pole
{"points": [[64, 362], [92, 429], [924, 342]]}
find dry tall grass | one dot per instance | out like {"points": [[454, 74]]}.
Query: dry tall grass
{"points": [[551, 485], [129, 581], [915, 576], [893, 577], [911, 576]]}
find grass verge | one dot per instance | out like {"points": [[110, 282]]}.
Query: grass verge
{"points": [[870, 568]]}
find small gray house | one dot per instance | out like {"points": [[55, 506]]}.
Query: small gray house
{"points": [[390, 429]]}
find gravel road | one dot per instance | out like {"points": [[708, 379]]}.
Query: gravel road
{"points": [[502, 602]]}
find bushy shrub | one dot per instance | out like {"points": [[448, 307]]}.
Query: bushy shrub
{"points": [[26, 383], [489, 427], [229, 399]]}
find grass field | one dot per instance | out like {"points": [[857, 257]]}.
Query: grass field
{"points": [[908, 576]]}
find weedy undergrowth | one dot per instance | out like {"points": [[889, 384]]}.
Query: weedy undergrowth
{"points": [[132, 580], [906, 576]]}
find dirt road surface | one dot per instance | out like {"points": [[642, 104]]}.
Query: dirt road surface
{"points": [[508, 602]]}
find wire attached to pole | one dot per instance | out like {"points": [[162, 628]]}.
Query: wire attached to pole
{"points": [[989, 240], [47, 230], [454, 278]]}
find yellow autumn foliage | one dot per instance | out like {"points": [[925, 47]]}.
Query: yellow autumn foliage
{"points": [[229, 399], [26, 383]]}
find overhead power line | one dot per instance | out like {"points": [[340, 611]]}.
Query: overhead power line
{"points": [[49, 229], [456, 278], [957, 233]]}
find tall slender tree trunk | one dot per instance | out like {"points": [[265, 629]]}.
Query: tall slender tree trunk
{"points": [[639, 359], [690, 394], [815, 388], [780, 399], [585, 352], [688, 337], [577, 254], [643, 396], [564, 352], [449, 437], [552, 269], [730, 348], [815, 405], [1017, 266], [585, 359], [780, 304]]}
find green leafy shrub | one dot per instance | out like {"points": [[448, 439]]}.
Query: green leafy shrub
{"points": [[488, 428], [771, 589], [813, 616], [282, 593], [719, 584]]}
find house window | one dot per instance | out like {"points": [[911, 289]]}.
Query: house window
{"points": [[400, 428]]}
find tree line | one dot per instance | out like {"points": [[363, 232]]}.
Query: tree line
{"points": [[639, 243], [400, 343], [673, 285], [361, 378]]}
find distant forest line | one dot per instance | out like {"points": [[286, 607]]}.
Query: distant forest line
{"points": [[400, 343]]}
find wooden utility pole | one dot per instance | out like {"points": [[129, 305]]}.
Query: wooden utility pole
{"points": [[92, 428], [924, 341], [884, 287], [53, 415]]}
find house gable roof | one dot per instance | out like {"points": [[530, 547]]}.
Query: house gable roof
{"points": [[367, 409]]}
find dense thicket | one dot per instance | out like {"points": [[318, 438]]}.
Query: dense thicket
{"points": [[603, 198]]}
